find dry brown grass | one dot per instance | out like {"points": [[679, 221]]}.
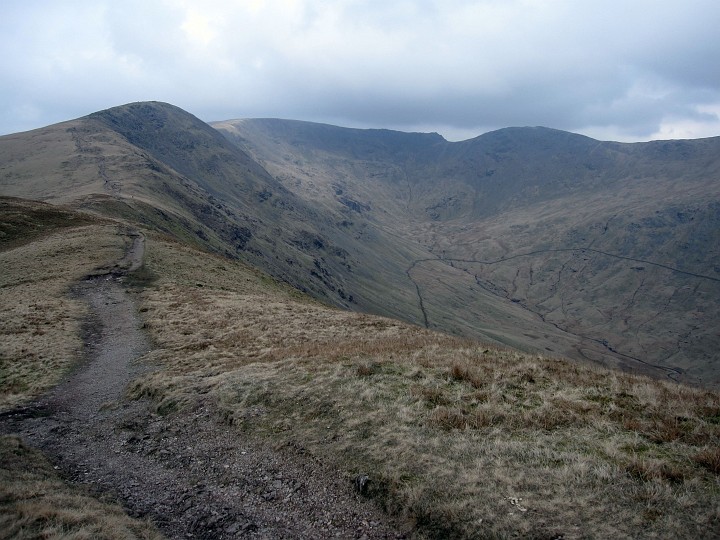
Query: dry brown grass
{"points": [[36, 503], [39, 320], [465, 439], [709, 458]]}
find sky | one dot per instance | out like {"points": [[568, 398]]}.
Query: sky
{"points": [[624, 70]]}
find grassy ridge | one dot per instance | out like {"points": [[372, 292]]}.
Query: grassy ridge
{"points": [[465, 439], [43, 252], [527, 237], [24, 221]]}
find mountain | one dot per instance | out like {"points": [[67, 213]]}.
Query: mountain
{"points": [[136, 300], [537, 238], [155, 164], [533, 238]]}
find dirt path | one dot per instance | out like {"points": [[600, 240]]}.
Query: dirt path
{"points": [[112, 339], [192, 476]]}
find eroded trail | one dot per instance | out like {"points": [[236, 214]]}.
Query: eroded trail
{"points": [[188, 473], [113, 340]]}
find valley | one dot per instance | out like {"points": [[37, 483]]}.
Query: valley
{"points": [[534, 238], [528, 237]]}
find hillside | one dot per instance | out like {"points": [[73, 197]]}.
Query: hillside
{"points": [[158, 165], [255, 402], [536, 238]]}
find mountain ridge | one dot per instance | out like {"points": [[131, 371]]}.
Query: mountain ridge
{"points": [[522, 236], [570, 198]]}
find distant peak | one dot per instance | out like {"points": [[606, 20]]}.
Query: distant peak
{"points": [[143, 108], [147, 115], [531, 134]]}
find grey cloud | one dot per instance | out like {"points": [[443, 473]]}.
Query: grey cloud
{"points": [[627, 68]]}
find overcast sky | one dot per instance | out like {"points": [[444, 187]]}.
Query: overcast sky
{"points": [[626, 70]]}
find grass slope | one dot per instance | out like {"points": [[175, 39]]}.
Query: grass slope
{"points": [[43, 251], [164, 169], [463, 439]]}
